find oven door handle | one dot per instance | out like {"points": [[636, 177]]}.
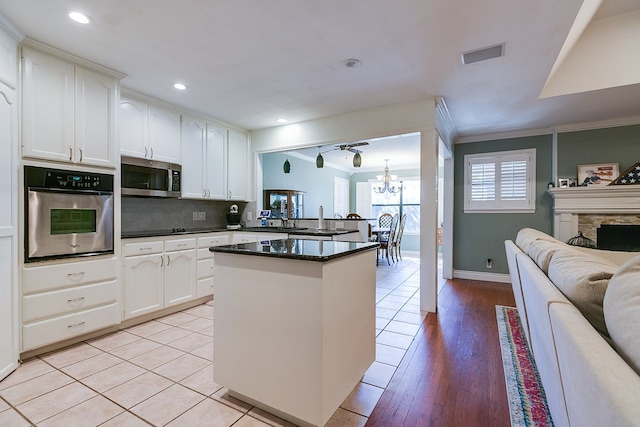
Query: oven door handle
{"points": [[69, 191]]}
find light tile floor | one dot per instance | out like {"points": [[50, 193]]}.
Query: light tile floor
{"points": [[161, 372]]}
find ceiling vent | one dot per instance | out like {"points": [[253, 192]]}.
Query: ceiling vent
{"points": [[483, 54]]}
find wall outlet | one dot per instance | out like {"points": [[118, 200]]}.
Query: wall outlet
{"points": [[489, 263], [202, 216], [249, 216], [195, 216]]}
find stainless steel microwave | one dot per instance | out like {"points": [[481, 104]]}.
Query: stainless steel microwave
{"points": [[141, 177]]}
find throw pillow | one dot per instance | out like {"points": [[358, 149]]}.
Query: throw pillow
{"points": [[583, 279], [622, 311]]}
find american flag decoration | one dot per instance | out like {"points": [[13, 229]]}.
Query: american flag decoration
{"points": [[629, 177]]}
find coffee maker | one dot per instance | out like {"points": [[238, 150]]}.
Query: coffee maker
{"points": [[233, 218]]}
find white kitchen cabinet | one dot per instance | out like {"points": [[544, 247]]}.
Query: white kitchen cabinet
{"points": [[65, 300], [237, 165], [149, 132], [180, 271], [205, 284], [68, 111], [204, 146], [158, 273], [9, 309]]}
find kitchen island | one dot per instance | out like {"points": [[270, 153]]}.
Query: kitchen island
{"points": [[294, 324]]}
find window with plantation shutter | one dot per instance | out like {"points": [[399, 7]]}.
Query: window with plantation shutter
{"points": [[500, 182]]}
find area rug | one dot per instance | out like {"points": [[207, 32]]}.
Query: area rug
{"points": [[527, 402]]}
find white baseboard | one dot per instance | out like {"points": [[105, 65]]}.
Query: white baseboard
{"points": [[479, 275]]}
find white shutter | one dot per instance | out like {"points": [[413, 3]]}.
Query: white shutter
{"points": [[500, 182]]}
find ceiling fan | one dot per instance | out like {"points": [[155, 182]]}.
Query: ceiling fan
{"points": [[357, 159]]}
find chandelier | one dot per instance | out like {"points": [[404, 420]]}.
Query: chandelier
{"points": [[387, 181]]}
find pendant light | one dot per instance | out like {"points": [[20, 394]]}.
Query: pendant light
{"points": [[287, 166], [319, 160], [357, 160]]}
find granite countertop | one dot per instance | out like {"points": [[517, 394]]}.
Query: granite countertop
{"points": [[298, 249], [290, 230]]}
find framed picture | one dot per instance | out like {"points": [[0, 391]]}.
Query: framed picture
{"points": [[563, 182], [598, 174]]}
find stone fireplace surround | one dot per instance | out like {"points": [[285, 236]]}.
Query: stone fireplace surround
{"points": [[586, 208]]}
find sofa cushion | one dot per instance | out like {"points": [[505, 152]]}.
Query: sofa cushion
{"points": [[528, 235], [622, 311], [541, 252], [583, 279]]}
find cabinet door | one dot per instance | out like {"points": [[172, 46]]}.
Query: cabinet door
{"points": [[143, 284], [164, 135], [237, 165], [179, 277], [47, 107], [8, 145], [193, 161], [133, 122], [95, 109], [215, 172]]}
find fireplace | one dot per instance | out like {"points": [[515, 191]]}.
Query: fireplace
{"points": [[619, 237]]}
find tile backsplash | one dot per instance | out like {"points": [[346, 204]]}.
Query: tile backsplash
{"points": [[140, 214]]}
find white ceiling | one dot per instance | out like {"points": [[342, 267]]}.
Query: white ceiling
{"points": [[250, 62]]}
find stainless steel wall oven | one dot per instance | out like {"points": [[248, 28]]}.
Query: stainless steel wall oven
{"points": [[67, 213]]}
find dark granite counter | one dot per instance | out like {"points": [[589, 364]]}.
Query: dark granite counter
{"points": [[288, 230], [297, 249]]}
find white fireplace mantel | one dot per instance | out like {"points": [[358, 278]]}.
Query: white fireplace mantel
{"points": [[569, 202]]}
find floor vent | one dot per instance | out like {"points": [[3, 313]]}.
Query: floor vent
{"points": [[483, 54]]}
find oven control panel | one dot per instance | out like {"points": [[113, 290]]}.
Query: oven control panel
{"points": [[64, 179]]}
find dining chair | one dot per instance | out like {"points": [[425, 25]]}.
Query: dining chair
{"points": [[384, 220], [353, 215], [395, 243], [385, 239]]}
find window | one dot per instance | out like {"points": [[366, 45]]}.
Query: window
{"points": [[500, 182], [407, 201]]}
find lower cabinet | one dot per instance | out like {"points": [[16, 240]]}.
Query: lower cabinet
{"points": [[65, 300], [158, 274], [206, 261]]}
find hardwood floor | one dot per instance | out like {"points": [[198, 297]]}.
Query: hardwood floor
{"points": [[452, 374]]}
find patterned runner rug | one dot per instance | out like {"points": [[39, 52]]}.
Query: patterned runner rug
{"points": [[527, 402]]}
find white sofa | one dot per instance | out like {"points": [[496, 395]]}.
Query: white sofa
{"points": [[580, 309]]}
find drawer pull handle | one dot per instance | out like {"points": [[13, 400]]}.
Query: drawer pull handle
{"points": [[145, 249], [181, 245], [75, 325], [75, 276], [75, 299]]}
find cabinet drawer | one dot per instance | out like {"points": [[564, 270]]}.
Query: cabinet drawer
{"points": [[205, 268], [179, 245], [39, 334], [244, 237], [216, 240], [56, 303], [49, 277], [205, 253], [142, 248], [205, 287]]}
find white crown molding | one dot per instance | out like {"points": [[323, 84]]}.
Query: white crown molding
{"points": [[35, 44], [444, 123], [479, 275], [11, 29], [572, 127]]}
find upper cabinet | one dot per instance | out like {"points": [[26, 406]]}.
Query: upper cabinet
{"points": [[204, 147], [68, 111], [237, 165], [149, 132]]}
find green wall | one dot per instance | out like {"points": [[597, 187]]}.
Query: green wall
{"points": [[611, 145], [478, 236], [481, 236], [303, 176]]}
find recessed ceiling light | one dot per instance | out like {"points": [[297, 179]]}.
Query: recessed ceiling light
{"points": [[352, 63], [179, 86], [80, 18], [282, 120]]}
